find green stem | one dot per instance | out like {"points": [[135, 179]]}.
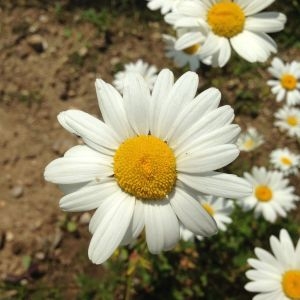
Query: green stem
{"points": [[128, 286]]}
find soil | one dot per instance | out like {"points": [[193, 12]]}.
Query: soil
{"points": [[49, 62]]}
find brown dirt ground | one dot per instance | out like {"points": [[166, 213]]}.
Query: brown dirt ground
{"points": [[36, 84]]}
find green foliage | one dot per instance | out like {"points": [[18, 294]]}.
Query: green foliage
{"points": [[213, 268], [24, 292], [100, 19]]}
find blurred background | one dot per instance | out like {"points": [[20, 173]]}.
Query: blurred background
{"points": [[51, 52]]}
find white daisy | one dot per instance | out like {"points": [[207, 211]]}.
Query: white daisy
{"points": [[148, 72], [285, 160], [186, 50], [164, 5], [141, 167], [219, 208], [271, 195], [287, 83], [276, 275], [237, 23], [288, 119], [250, 140]]}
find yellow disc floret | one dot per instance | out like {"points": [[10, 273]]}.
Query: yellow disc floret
{"points": [[288, 81], [192, 49], [263, 193], [249, 144], [145, 167], [208, 208], [286, 161], [291, 284], [292, 120], [226, 18]]}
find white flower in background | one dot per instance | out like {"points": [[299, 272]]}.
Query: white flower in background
{"points": [[238, 24], [250, 140], [276, 274], [164, 5], [285, 160], [219, 208], [272, 195], [288, 119], [287, 83], [139, 167], [184, 52], [188, 235], [148, 72]]}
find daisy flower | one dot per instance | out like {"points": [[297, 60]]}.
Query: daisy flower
{"points": [[276, 274], [238, 24], [271, 195], [164, 5], [148, 72], [219, 208], [185, 50], [287, 83], [141, 167], [285, 160], [288, 119], [250, 140]]}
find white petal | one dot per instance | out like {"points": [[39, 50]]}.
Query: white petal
{"points": [[261, 46], [85, 151], [188, 39], [112, 109], [267, 257], [278, 250], [224, 135], [94, 133], [88, 197], [212, 120], [289, 249], [251, 7], [261, 286], [161, 226], [111, 229], [72, 187], [205, 159], [136, 225], [191, 214], [266, 22], [181, 93], [224, 51], [218, 184], [195, 110], [262, 266], [137, 102], [191, 8], [276, 295], [161, 89], [210, 46], [68, 170], [277, 63]]}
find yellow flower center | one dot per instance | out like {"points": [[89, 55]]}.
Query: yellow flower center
{"points": [[291, 284], [192, 49], [286, 161], [226, 18], [208, 208], [263, 193], [249, 144], [145, 167], [292, 121], [288, 81]]}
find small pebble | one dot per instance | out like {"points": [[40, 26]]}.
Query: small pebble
{"points": [[9, 236], [17, 191]]}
